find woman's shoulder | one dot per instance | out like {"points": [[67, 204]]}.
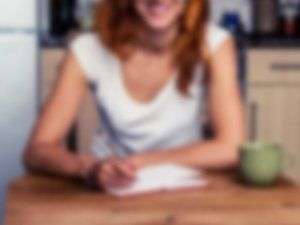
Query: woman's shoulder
{"points": [[90, 53], [215, 36], [85, 42]]}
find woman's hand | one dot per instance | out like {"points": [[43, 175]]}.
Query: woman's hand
{"points": [[112, 172]]}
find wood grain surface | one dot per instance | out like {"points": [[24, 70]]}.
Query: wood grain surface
{"points": [[37, 200]]}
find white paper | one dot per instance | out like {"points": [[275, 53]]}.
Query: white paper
{"points": [[161, 177]]}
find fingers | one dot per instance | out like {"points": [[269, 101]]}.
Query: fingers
{"points": [[107, 175], [115, 172], [86, 163], [124, 168]]}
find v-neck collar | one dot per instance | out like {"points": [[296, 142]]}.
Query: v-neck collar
{"points": [[155, 100]]}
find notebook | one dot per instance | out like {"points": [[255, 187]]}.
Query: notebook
{"points": [[161, 178]]}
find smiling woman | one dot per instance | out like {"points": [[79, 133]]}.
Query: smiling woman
{"points": [[175, 24], [148, 60]]}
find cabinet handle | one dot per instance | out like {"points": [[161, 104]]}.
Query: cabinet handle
{"points": [[285, 66], [253, 120]]}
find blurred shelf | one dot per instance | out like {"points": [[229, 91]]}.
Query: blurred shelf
{"points": [[272, 41]]}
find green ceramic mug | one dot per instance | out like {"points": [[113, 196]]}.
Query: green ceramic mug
{"points": [[260, 163]]}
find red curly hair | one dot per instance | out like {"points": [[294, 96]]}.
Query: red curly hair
{"points": [[116, 26]]}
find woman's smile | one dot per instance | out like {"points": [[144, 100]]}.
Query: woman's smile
{"points": [[158, 8], [159, 14]]}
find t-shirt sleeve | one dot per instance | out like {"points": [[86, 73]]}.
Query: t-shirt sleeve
{"points": [[84, 47], [216, 36]]}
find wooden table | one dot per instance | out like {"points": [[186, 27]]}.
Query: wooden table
{"points": [[34, 200]]}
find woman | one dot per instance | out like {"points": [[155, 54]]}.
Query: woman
{"points": [[147, 59]]}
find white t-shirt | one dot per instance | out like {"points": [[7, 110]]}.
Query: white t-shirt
{"points": [[129, 126]]}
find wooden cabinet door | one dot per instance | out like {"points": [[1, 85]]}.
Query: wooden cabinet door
{"points": [[50, 65], [273, 66], [274, 115]]}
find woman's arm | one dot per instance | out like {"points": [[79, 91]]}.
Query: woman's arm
{"points": [[226, 114], [45, 151]]}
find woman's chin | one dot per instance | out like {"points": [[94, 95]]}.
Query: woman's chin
{"points": [[160, 26]]}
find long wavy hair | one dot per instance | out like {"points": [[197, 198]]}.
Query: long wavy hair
{"points": [[115, 22]]}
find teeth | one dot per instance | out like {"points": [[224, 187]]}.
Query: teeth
{"points": [[159, 8]]}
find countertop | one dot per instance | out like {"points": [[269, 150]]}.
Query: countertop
{"points": [[271, 41], [246, 41], [38, 200]]}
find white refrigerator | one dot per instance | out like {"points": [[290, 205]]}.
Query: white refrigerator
{"points": [[18, 85]]}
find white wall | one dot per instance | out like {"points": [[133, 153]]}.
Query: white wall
{"points": [[18, 57]]}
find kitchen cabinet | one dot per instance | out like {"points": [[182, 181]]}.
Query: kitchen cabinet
{"points": [[51, 62], [273, 102]]}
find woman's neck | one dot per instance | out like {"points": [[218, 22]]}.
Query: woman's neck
{"points": [[157, 41]]}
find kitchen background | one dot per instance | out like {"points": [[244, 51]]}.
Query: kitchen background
{"points": [[33, 40]]}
